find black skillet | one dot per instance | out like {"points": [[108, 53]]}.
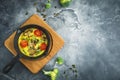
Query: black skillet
{"points": [[19, 55]]}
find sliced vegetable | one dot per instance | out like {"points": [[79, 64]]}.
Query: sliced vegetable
{"points": [[53, 74], [31, 51], [47, 5], [43, 46], [37, 33], [59, 60], [24, 43], [65, 3]]}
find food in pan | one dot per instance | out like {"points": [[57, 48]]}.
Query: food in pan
{"points": [[32, 42]]}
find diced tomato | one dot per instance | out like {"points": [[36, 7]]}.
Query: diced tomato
{"points": [[43, 46], [24, 43], [37, 32]]}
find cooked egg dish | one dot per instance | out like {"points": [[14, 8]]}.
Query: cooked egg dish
{"points": [[32, 42]]}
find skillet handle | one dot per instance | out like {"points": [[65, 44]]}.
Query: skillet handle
{"points": [[11, 64]]}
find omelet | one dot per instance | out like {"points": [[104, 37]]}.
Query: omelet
{"points": [[32, 42]]}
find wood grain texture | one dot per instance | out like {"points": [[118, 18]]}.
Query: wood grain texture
{"points": [[36, 65]]}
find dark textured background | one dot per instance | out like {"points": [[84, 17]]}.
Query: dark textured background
{"points": [[90, 28]]}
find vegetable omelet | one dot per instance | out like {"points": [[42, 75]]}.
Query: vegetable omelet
{"points": [[32, 42]]}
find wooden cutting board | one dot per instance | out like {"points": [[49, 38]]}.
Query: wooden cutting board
{"points": [[36, 65]]}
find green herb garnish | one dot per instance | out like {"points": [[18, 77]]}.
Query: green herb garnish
{"points": [[73, 66], [24, 51], [38, 10], [56, 14], [26, 13], [35, 4]]}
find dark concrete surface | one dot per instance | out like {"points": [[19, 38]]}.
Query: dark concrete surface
{"points": [[90, 28]]}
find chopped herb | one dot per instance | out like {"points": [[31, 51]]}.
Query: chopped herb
{"points": [[55, 7], [37, 51], [73, 66], [70, 68], [56, 14], [26, 13], [44, 16], [35, 4], [75, 71], [24, 51], [76, 75], [64, 72], [43, 10], [37, 10]]}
